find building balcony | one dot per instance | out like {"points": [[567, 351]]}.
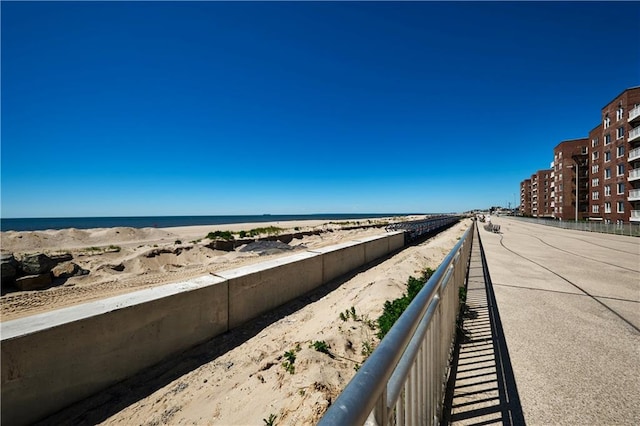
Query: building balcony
{"points": [[634, 174], [635, 216], [634, 134], [634, 154], [634, 195], [634, 114]]}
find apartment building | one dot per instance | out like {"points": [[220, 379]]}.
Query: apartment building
{"points": [[633, 141], [570, 186], [525, 197], [615, 168], [595, 178], [541, 193]]}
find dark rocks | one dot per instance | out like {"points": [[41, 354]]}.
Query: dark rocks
{"points": [[9, 267], [225, 245], [63, 257], [33, 282], [263, 247], [36, 271], [287, 238], [68, 270], [36, 264], [118, 268], [157, 252]]}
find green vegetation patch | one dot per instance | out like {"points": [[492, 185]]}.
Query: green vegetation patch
{"points": [[393, 309], [220, 235]]}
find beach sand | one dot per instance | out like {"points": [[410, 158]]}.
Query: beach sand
{"points": [[239, 378], [121, 260]]}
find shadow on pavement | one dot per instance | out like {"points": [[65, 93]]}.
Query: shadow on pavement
{"points": [[482, 388]]}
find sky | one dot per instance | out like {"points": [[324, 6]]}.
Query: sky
{"points": [[223, 108]]}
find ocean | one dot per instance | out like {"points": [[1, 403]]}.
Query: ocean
{"points": [[39, 224]]}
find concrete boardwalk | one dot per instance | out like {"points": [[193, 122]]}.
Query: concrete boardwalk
{"points": [[569, 305], [481, 388]]}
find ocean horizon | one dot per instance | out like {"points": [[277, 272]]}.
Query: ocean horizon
{"points": [[56, 223]]}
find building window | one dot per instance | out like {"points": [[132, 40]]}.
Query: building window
{"points": [[607, 190], [595, 182], [619, 113], [607, 173], [595, 155], [595, 168], [607, 207], [595, 195], [607, 121], [620, 188], [595, 208], [620, 206], [607, 139], [620, 132], [594, 142], [620, 151], [620, 169], [607, 156]]}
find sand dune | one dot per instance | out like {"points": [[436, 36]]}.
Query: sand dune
{"points": [[121, 259]]}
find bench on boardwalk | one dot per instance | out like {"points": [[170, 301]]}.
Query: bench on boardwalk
{"points": [[492, 228]]}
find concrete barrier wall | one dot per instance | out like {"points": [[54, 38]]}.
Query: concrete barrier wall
{"points": [[374, 247], [52, 360], [341, 258], [259, 288], [396, 241]]}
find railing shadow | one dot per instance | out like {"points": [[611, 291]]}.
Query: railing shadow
{"points": [[481, 389]]}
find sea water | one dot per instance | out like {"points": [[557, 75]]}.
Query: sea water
{"points": [[38, 224]]}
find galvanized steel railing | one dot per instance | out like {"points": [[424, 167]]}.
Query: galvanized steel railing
{"points": [[404, 379], [630, 229], [418, 228]]}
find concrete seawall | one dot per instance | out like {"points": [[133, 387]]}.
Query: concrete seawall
{"points": [[52, 360]]}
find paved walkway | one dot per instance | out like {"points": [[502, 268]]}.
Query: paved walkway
{"points": [[482, 388], [569, 305]]}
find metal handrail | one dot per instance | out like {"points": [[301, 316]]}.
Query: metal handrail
{"points": [[630, 229], [403, 380], [418, 228]]}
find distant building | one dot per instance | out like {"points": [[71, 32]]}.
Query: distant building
{"points": [[615, 154], [595, 178], [541, 193], [570, 171], [525, 197]]}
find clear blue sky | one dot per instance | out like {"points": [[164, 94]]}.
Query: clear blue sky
{"points": [[205, 108]]}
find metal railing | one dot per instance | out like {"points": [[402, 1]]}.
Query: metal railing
{"points": [[631, 229], [404, 379], [418, 228]]}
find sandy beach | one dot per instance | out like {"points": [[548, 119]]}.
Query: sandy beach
{"points": [[240, 378], [120, 260]]}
